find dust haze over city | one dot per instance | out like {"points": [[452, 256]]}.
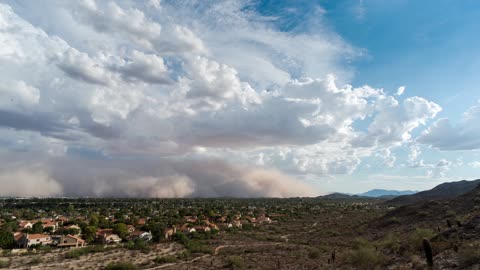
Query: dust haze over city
{"points": [[303, 116]]}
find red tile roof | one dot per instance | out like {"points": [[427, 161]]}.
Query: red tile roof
{"points": [[37, 236]]}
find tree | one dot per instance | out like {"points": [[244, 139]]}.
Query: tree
{"points": [[70, 209], [93, 220], [73, 231], [37, 227], [89, 233], [48, 229], [6, 239], [121, 229]]}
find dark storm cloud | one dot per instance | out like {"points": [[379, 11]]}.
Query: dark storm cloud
{"points": [[44, 123]]}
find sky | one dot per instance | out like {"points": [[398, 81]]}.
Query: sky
{"points": [[237, 98]]}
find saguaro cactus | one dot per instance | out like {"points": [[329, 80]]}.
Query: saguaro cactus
{"points": [[427, 248]]}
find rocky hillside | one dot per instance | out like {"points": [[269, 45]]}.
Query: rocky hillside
{"points": [[448, 190]]}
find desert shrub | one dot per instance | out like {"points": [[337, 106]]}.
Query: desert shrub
{"points": [[392, 243], [476, 200], [121, 266], [138, 244], [165, 259], [184, 255], [417, 238], [77, 252], [248, 250], [423, 214], [364, 256], [469, 256], [193, 246], [392, 221], [197, 247], [248, 226], [4, 264], [313, 253], [36, 260], [441, 244], [235, 262], [450, 213], [45, 249], [95, 249]]}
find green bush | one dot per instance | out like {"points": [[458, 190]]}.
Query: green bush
{"points": [[165, 259], [364, 256], [417, 238], [36, 260], [4, 264], [235, 262], [138, 244], [121, 266], [193, 246], [450, 213], [392, 243], [77, 252], [313, 253], [392, 221], [197, 247], [469, 256]]}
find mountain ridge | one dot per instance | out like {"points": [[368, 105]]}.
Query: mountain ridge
{"points": [[447, 190], [386, 192]]}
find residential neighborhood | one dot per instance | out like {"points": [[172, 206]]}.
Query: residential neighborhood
{"points": [[72, 228]]}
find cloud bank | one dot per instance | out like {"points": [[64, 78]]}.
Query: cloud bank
{"points": [[182, 99]]}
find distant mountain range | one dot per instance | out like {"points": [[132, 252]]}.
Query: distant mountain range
{"points": [[339, 196], [374, 193], [447, 190], [444, 191], [384, 192]]}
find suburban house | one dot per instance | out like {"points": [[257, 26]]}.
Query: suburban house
{"points": [[27, 240], [186, 229], [191, 219], [190, 230], [222, 219], [17, 236], [50, 224], [212, 225], [202, 229], [146, 236], [131, 228], [225, 225], [141, 222], [169, 232], [68, 241], [237, 223], [106, 236], [264, 219], [61, 219], [25, 224], [74, 227]]}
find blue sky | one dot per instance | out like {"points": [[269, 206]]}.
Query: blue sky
{"points": [[430, 48], [237, 98]]}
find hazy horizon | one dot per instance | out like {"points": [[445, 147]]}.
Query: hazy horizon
{"points": [[236, 98]]}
